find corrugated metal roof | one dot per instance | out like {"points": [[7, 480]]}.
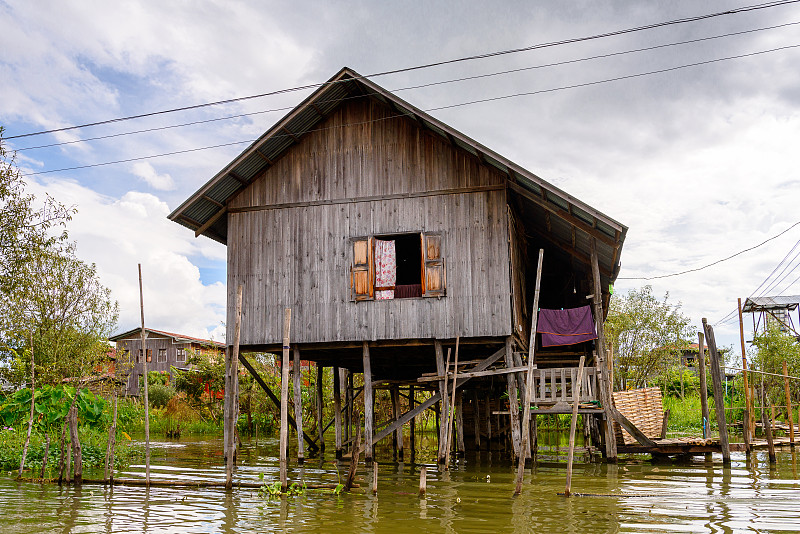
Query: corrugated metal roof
{"points": [[571, 222], [781, 302]]}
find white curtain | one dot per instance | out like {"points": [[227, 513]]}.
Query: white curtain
{"points": [[385, 269]]}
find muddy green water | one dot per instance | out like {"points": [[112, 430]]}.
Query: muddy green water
{"points": [[475, 496]]}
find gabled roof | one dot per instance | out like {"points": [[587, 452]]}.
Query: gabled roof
{"points": [[569, 222], [176, 338]]}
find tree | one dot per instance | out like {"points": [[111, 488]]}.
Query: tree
{"points": [[47, 295], [647, 336]]}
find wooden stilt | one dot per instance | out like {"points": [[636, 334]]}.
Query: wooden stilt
{"points": [[701, 368], [375, 478], [460, 449], [602, 379], [451, 412], [768, 430], [412, 430], [789, 416], [146, 389], [350, 406], [356, 451], [534, 435], [476, 419], [284, 430], [77, 450], [576, 394], [513, 400], [298, 403], [338, 379], [526, 404], [368, 404], [719, 405], [423, 480], [320, 407], [231, 394], [441, 369], [397, 444], [521, 386], [487, 406]]}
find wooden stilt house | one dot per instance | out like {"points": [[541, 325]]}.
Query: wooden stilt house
{"points": [[390, 235]]}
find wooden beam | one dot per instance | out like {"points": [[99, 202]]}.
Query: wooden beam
{"points": [[215, 202], [719, 394], [291, 134], [265, 158], [474, 374], [369, 404], [573, 220], [214, 218], [238, 178], [433, 399], [637, 434], [312, 446]]}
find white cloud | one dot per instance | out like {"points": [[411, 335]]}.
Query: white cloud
{"points": [[145, 171], [118, 233]]}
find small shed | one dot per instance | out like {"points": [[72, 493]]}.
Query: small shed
{"points": [[391, 234]]}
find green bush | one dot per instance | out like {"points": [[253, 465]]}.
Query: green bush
{"points": [[160, 395]]}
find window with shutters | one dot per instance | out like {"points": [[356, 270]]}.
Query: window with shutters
{"points": [[162, 355], [180, 355], [397, 266]]}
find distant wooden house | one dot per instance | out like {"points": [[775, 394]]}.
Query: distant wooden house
{"points": [[391, 234], [163, 351]]}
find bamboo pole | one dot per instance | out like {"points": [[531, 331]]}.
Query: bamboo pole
{"points": [[33, 404], [232, 393], [748, 395], [576, 400], [526, 407], [701, 369], [146, 380], [451, 411], [788, 402], [284, 430]]}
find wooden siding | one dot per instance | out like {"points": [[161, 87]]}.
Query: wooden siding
{"points": [[128, 365], [300, 256]]}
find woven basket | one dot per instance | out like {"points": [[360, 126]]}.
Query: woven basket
{"points": [[643, 408]]}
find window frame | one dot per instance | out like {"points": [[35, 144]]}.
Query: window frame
{"points": [[161, 353]]}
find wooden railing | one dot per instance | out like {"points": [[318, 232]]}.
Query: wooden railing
{"points": [[551, 386]]}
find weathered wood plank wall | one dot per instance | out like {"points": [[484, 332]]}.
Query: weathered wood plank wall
{"points": [[299, 256]]}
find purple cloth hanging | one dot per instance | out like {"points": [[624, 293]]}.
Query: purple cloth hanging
{"points": [[566, 327]]}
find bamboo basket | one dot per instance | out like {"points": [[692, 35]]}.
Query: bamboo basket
{"points": [[644, 409]]}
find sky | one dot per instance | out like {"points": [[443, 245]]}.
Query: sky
{"points": [[698, 161]]}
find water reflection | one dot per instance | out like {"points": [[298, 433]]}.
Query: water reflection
{"points": [[474, 496]]}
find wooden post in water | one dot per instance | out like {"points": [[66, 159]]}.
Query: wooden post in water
{"points": [[719, 400], [369, 404], [33, 412], [526, 406], [701, 369], [320, 406], [374, 478], [232, 393], [603, 383], [284, 431], [768, 429], [338, 379], [298, 403], [513, 401], [146, 380], [789, 415], [451, 411], [397, 412], [476, 416], [576, 400], [354, 453], [441, 369], [748, 394], [423, 480], [412, 431]]}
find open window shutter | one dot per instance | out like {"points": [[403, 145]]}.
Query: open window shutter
{"points": [[433, 274], [361, 272]]}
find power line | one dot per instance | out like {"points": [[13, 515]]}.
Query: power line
{"points": [[710, 264], [492, 99], [420, 86], [539, 46]]}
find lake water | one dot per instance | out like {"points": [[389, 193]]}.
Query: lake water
{"points": [[474, 496]]}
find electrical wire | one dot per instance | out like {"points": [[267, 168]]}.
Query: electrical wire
{"points": [[717, 262], [420, 86], [744, 9], [468, 103]]}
